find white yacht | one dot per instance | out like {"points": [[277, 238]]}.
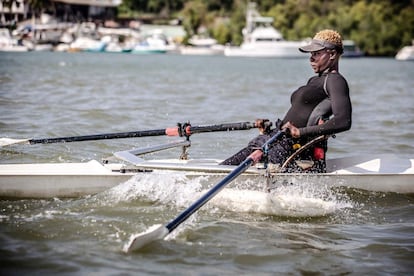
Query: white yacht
{"points": [[202, 45], [155, 42], [406, 53], [9, 44], [261, 39]]}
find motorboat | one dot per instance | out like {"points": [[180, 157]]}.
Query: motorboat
{"points": [[154, 43], [351, 50], [9, 44], [119, 40], [406, 53], [87, 44], [261, 39], [202, 46]]}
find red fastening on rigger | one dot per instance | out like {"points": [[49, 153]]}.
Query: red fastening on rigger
{"points": [[172, 131]]}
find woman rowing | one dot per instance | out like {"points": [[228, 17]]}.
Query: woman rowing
{"points": [[321, 107]]}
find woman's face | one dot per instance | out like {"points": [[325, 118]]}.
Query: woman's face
{"points": [[320, 60]]}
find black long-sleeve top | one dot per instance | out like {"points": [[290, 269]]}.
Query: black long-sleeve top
{"points": [[306, 98]]}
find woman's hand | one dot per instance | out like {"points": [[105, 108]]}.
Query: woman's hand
{"points": [[263, 125], [294, 131]]}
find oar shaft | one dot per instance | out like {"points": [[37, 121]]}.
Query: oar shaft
{"points": [[252, 159], [118, 135], [210, 194], [173, 131], [160, 231]]}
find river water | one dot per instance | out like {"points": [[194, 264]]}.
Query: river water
{"points": [[65, 94]]}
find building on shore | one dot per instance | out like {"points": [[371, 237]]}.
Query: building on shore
{"points": [[85, 10], [14, 11]]}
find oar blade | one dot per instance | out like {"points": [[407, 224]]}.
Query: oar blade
{"points": [[154, 233], [9, 141]]}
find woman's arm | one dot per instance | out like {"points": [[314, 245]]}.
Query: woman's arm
{"points": [[338, 91]]}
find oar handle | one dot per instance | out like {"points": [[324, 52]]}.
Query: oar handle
{"points": [[180, 130], [223, 127]]}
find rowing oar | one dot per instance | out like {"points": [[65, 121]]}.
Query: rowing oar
{"points": [[158, 232], [180, 130]]}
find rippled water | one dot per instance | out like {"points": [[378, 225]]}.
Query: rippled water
{"points": [[61, 94]]}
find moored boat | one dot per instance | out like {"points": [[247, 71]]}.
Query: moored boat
{"points": [[202, 46], [261, 39], [406, 53], [9, 44], [87, 44], [351, 50], [154, 43]]}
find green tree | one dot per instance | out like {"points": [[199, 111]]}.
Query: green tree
{"points": [[194, 14], [371, 26], [379, 27], [406, 19], [237, 22], [39, 6], [221, 32]]}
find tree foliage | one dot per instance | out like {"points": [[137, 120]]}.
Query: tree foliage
{"points": [[379, 27]]}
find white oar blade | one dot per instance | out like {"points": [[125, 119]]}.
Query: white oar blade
{"points": [[154, 233], [9, 141]]}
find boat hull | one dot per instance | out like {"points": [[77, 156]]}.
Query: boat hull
{"points": [[201, 51], [283, 49], [381, 174], [387, 183], [406, 53], [57, 180]]}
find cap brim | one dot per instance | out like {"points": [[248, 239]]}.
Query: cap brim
{"points": [[311, 48]]}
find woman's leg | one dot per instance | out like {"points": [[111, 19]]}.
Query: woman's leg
{"points": [[280, 151], [253, 145], [238, 157]]}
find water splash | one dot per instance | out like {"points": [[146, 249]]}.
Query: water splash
{"points": [[313, 197], [165, 187], [299, 198]]}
